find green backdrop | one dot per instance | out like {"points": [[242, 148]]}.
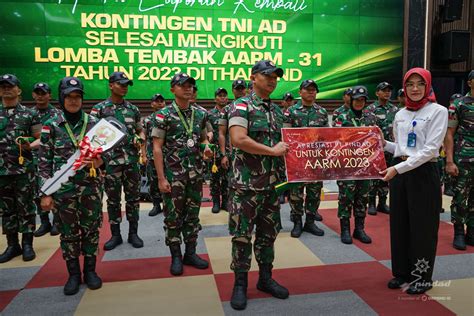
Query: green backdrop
{"points": [[337, 43]]}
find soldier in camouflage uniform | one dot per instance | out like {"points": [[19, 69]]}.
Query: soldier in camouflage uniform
{"points": [[179, 131], [17, 171], [157, 103], [446, 178], [239, 88], [255, 130], [219, 185], [459, 143], [346, 97], [306, 113], [44, 111], [353, 194], [122, 163], [385, 112], [288, 101], [78, 201], [401, 98]]}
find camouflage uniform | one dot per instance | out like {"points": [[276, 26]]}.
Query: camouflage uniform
{"points": [[461, 117], [224, 121], [78, 201], [17, 182], [148, 124], [183, 167], [219, 185], [385, 115], [254, 200], [340, 110], [303, 116], [43, 115], [353, 194], [122, 167]]}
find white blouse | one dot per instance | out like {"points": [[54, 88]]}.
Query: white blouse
{"points": [[431, 125]]}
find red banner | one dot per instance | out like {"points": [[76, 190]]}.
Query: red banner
{"points": [[324, 153]]}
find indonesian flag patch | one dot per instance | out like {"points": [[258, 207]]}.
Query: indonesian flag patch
{"points": [[160, 117], [94, 111], [46, 129], [241, 107]]}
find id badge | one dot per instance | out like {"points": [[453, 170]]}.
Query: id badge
{"points": [[411, 142]]}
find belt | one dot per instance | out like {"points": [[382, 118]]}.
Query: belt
{"points": [[404, 158]]}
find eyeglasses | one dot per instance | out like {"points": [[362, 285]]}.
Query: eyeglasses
{"points": [[411, 85]]}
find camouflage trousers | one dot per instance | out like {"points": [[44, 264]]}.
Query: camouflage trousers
{"points": [[128, 177], [181, 210], [249, 208], [310, 205], [353, 195], [379, 187], [219, 183], [155, 194], [17, 205], [80, 220], [462, 204]]}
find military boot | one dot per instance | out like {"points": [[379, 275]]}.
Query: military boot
{"points": [[346, 230], [116, 238], [156, 208], [133, 238], [55, 226], [192, 259], [310, 226], [372, 210], [318, 217], [176, 267], [238, 300], [224, 203], [45, 226], [459, 241], [382, 207], [27, 245], [13, 248], [216, 204], [470, 236], [91, 278], [297, 226], [74, 269], [359, 232], [268, 285]]}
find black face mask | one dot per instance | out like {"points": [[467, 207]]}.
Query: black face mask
{"points": [[358, 113], [72, 118]]}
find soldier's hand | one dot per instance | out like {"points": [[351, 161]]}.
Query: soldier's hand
{"points": [[452, 169], [47, 203], [280, 149], [207, 153], [144, 159], [97, 162], [24, 143], [164, 186], [225, 162]]}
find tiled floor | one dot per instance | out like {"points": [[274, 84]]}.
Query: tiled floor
{"points": [[323, 275]]}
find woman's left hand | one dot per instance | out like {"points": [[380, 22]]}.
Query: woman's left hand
{"points": [[388, 173]]}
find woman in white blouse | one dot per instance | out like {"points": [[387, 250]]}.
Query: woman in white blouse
{"points": [[415, 197]]}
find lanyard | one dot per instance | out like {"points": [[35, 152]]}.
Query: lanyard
{"points": [[188, 126], [75, 141], [355, 123]]}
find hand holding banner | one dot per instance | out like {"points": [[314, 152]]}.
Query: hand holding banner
{"points": [[324, 153]]}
